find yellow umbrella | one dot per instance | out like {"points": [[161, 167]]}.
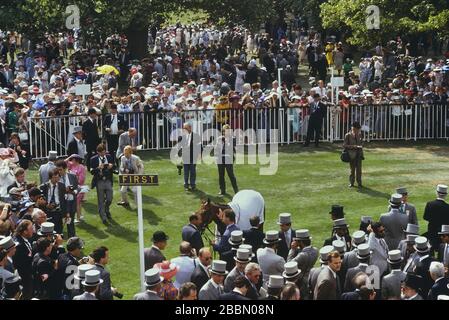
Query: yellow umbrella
{"points": [[107, 69]]}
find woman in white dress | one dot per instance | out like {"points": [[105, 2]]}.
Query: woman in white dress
{"points": [[240, 79], [378, 68], [250, 44]]}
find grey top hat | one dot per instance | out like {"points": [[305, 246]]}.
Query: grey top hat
{"points": [[81, 271], [324, 252], [46, 229], [302, 234], [412, 229], [247, 247], [411, 238], [52, 155], [401, 190], [358, 237], [422, 244], [339, 246], [77, 130], [153, 277], [236, 238], [276, 282], [396, 199], [243, 256], [92, 278], [271, 237], [218, 267], [394, 256], [7, 243], [291, 270], [363, 251], [285, 218], [444, 229], [441, 188], [340, 223]]}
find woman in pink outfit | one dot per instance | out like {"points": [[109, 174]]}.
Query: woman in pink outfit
{"points": [[75, 166]]}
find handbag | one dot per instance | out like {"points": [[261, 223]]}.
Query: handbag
{"points": [[345, 156]]}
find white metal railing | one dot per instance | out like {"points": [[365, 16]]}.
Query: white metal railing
{"points": [[157, 129]]}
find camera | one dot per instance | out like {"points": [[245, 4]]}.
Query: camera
{"points": [[85, 260], [118, 295]]}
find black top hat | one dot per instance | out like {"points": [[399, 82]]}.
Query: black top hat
{"points": [[337, 210], [159, 236]]}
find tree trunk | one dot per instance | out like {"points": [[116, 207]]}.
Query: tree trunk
{"points": [[137, 36]]}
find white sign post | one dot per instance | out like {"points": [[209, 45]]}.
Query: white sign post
{"points": [[82, 90]]}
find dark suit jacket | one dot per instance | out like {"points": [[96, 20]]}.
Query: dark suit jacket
{"points": [[90, 135], [437, 214], [72, 148], [422, 269], [328, 242], [121, 123], [199, 277], [61, 193], [97, 173], [152, 256], [440, 256], [192, 235], [283, 249], [319, 114], [232, 296], [23, 259], [326, 287], [354, 295], [64, 261], [254, 237], [190, 152], [104, 292], [440, 287]]}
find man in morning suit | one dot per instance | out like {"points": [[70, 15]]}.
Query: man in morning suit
{"points": [[154, 254], [114, 125], [90, 135], [437, 214], [286, 234], [317, 114], [191, 233]]}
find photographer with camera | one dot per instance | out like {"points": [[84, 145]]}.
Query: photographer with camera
{"points": [[71, 187], [129, 164], [55, 192], [71, 258]]}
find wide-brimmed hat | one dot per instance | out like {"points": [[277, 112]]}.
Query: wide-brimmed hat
{"points": [[412, 229], [394, 256], [7, 243], [441, 188], [302, 234], [236, 238], [271, 237], [275, 282], [337, 210], [46, 229], [363, 251], [92, 278], [167, 269], [81, 271], [291, 270], [243, 256], [340, 223], [75, 156], [219, 267], [285, 218], [324, 253], [444, 229], [153, 277], [396, 199], [358, 238], [422, 244]]}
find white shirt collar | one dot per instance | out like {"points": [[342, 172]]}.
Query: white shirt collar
{"points": [[151, 291], [412, 297], [238, 291], [154, 247]]}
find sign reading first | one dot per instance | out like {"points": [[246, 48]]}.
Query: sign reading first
{"points": [[138, 180]]}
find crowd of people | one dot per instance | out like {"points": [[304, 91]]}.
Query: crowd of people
{"points": [[225, 74]]}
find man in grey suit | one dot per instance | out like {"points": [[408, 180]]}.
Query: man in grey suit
{"points": [[153, 286], [350, 259], [406, 245], [101, 259], [154, 254], [242, 258], [270, 263], [314, 272], [364, 255], [305, 255], [394, 222], [378, 247], [328, 286], [129, 164], [407, 208], [214, 287], [45, 169], [90, 284], [391, 283], [128, 138]]}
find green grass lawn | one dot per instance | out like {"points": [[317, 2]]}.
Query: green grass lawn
{"points": [[307, 183]]}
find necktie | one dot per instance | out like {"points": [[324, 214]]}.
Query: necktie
{"points": [[446, 255], [287, 239], [384, 245], [53, 199]]}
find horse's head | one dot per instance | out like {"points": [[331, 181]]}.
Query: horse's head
{"points": [[205, 212]]}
